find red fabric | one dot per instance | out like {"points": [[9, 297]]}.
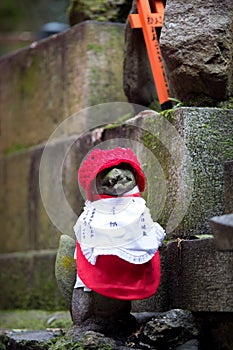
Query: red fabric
{"points": [[99, 160], [97, 196], [119, 279]]}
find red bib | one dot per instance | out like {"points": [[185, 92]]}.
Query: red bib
{"points": [[116, 278]]}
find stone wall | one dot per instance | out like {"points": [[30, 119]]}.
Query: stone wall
{"points": [[41, 86]]}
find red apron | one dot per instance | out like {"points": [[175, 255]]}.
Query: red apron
{"points": [[116, 278]]}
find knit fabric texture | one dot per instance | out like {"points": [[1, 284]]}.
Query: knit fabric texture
{"points": [[99, 160]]}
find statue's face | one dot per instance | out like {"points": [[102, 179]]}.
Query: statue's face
{"points": [[115, 181]]}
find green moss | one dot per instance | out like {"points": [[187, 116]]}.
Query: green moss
{"points": [[114, 36], [45, 297], [3, 342], [227, 104], [63, 344], [68, 263], [28, 79], [95, 48], [15, 149], [102, 10], [223, 145], [124, 118], [169, 114], [104, 73], [208, 138], [111, 126], [152, 142], [86, 342], [155, 106], [32, 283]]}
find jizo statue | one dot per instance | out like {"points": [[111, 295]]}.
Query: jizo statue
{"points": [[116, 240]]}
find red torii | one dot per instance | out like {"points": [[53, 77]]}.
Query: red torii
{"points": [[148, 21]]}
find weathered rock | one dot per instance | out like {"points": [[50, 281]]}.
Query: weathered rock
{"points": [[170, 329], [106, 11], [228, 187], [192, 344], [139, 86], [163, 330], [208, 137], [196, 43], [222, 227], [91, 340], [37, 340], [65, 268], [56, 339]]}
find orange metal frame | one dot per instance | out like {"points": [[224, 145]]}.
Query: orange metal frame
{"points": [[149, 21]]}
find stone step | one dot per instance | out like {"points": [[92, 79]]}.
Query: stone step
{"points": [[27, 281]]}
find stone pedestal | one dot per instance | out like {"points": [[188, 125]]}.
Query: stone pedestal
{"points": [[199, 278]]}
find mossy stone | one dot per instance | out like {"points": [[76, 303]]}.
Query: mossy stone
{"points": [[65, 267], [102, 10]]}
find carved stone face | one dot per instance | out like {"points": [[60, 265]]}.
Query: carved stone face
{"points": [[115, 181]]}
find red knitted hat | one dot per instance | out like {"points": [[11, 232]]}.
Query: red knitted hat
{"points": [[99, 160]]}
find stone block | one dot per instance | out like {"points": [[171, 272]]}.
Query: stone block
{"points": [[199, 278], [24, 222], [196, 43], [55, 78], [207, 133], [28, 281]]}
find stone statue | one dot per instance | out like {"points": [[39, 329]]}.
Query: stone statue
{"points": [[116, 243]]}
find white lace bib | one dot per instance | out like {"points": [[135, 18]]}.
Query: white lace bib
{"points": [[119, 226]]}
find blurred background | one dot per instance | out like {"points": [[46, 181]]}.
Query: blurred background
{"points": [[24, 21]]}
